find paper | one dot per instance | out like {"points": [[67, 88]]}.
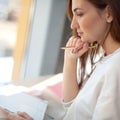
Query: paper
{"points": [[23, 102]]}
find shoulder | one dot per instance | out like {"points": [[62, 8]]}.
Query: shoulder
{"points": [[111, 63]]}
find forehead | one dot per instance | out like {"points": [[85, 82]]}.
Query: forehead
{"points": [[83, 4]]}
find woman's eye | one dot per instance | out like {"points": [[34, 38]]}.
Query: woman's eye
{"points": [[80, 14]]}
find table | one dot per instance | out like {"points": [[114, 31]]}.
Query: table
{"points": [[39, 88]]}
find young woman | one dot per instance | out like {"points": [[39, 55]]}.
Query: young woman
{"points": [[94, 93]]}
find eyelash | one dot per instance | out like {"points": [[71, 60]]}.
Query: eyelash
{"points": [[80, 14]]}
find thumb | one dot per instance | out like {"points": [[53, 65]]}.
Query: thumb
{"points": [[24, 115]]}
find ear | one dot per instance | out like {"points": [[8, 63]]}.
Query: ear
{"points": [[108, 15]]}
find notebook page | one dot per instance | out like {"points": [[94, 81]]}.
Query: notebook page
{"points": [[35, 107]]}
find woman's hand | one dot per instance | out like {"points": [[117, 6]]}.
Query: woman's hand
{"points": [[14, 116], [79, 48], [70, 84], [19, 116]]}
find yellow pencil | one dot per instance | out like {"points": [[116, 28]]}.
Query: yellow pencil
{"points": [[70, 47]]}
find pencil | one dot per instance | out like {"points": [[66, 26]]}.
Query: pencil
{"points": [[70, 48]]}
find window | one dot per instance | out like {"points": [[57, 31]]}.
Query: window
{"points": [[13, 15]]}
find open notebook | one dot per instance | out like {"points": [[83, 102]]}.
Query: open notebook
{"points": [[26, 103]]}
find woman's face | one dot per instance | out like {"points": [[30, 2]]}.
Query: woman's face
{"points": [[89, 21]]}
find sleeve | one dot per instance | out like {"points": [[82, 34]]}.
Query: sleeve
{"points": [[106, 109], [108, 103], [66, 105]]}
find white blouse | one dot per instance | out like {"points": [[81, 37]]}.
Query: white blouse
{"points": [[99, 99]]}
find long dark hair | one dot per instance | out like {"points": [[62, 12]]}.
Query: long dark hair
{"points": [[114, 31]]}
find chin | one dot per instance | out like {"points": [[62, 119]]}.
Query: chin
{"points": [[84, 40]]}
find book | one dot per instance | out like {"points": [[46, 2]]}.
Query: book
{"points": [[23, 102]]}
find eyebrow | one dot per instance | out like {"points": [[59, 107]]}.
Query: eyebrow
{"points": [[76, 9]]}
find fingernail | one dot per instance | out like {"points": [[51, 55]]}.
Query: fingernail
{"points": [[73, 51], [86, 45]]}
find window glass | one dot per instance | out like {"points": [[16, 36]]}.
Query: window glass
{"points": [[9, 12]]}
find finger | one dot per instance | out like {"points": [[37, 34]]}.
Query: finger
{"points": [[69, 43], [4, 112], [75, 40], [74, 50], [24, 115], [72, 43], [84, 49], [12, 116], [78, 45]]}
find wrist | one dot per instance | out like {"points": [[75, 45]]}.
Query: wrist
{"points": [[70, 61]]}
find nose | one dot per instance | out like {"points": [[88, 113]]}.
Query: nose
{"points": [[74, 23]]}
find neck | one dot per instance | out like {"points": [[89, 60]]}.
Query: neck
{"points": [[110, 45]]}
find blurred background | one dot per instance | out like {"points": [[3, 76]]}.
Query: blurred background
{"points": [[9, 12], [31, 34]]}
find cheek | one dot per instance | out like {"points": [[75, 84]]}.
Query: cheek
{"points": [[89, 23], [92, 27]]}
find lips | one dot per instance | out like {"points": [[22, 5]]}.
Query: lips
{"points": [[80, 34]]}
